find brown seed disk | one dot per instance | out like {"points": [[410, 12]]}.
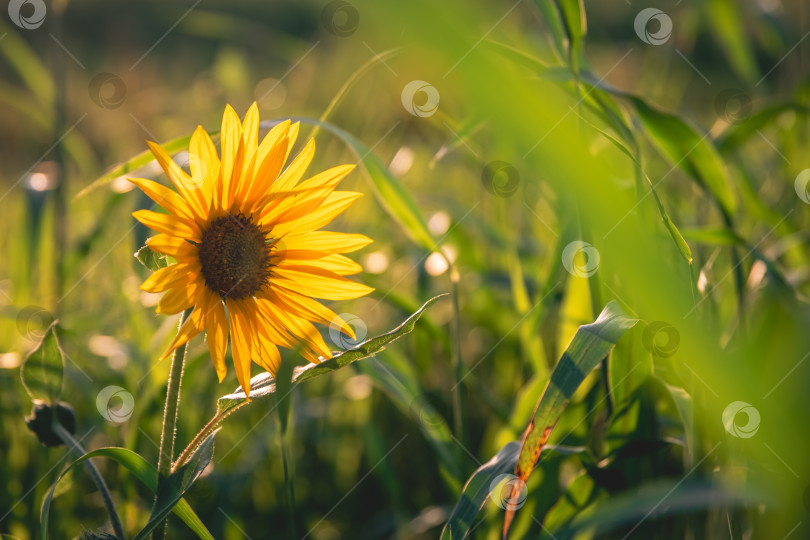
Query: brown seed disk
{"points": [[235, 257]]}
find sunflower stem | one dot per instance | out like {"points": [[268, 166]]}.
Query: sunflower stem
{"points": [[170, 422], [458, 397], [289, 488]]}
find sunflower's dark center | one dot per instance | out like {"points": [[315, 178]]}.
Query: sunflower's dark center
{"points": [[235, 257]]}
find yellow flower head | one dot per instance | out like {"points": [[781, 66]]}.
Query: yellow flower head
{"points": [[250, 255]]}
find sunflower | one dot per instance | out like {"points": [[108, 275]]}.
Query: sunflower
{"points": [[250, 258]]}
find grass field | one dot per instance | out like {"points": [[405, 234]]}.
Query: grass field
{"points": [[535, 163]]}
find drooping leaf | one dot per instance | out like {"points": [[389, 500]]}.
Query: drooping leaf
{"points": [[692, 152], [43, 368], [140, 469], [151, 259], [170, 490], [590, 345], [264, 384]]}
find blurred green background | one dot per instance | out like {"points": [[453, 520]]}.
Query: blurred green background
{"points": [[536, 124]]}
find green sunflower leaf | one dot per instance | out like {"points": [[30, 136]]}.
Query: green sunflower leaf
{"points": [[170, 490], [140, 469], [44, 367], [151, 259]]}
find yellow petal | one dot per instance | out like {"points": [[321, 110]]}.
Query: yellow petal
{"points": [[313, 192], [186, 186], [292, 135], [204, 163], [177, 299], [240, 344], [168, 224], [216, 328], [297, 168], [172, 245], [331, 207], [165, 278], [230, 142], [250, 139], [326, 242], [326, 285], [340, 265], [163, 196], [192, 326]]}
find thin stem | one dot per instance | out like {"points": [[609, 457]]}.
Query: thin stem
{"points": [[209, 428], [170, 421], [289, 490], [78, 451], [458, 397]]}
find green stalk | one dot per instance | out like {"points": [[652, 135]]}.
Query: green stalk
{"points": [[170, 421], [289, 488], [78, 451], [458, 396]]}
